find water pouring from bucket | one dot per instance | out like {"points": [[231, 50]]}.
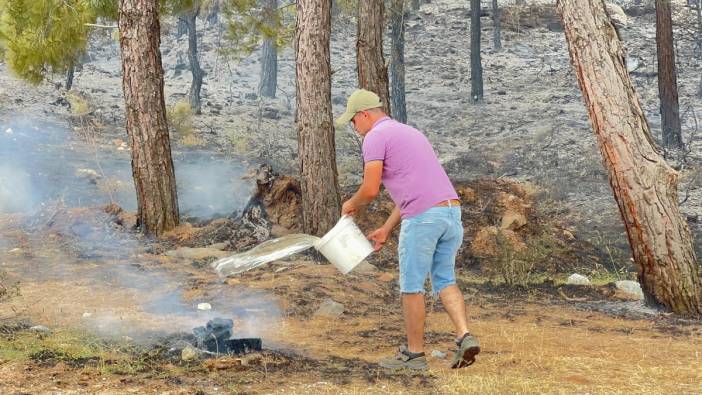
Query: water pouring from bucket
{"points": [[344, 245]]}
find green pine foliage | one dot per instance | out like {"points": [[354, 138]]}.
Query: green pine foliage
{"points": [[42, 36], [248, 23], [107, 9]]}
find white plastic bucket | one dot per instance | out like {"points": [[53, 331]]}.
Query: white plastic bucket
{"points": [[345, 246]]}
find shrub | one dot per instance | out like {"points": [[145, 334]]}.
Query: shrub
{"points": [[180, 118], [79, 105]]}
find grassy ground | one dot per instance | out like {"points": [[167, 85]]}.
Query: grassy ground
{"points": [[530, 344]]}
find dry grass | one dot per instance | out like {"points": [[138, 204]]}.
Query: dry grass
{"points": [[541, 352], [527, 347], [595, 355]]}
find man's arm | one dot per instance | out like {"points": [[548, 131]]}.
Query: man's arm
{"points": [[369, 189], [392, 220], [380, 235]]}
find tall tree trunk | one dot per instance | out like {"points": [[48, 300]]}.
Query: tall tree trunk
{"points": [[667, 81], [476, 67], [698, 11], [372, 73], [142, 83], [320, 188], [69, 76], [397, 65], [198, 74], [497, 42], [269, 53], [644, 186]]}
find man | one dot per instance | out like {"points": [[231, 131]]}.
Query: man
{"points": [[431, 232]]}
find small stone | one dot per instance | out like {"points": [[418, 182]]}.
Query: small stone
{"points": [[438, 354], [204, 306], [40, 329], [16, 250], [386, 277], [578, 279], [87, 315], [631, 289], [89, 174], [330, 308], [188, 354], [8, 131], [568, 235]]}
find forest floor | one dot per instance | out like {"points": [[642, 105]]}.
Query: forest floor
{"points": [[110, 299], [110, 304]]}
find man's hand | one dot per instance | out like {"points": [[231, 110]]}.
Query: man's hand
{"points": [[380, 237], [349, 208], [369, 189]]}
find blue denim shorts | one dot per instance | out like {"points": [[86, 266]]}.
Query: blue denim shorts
{"points": [[428, 245]]}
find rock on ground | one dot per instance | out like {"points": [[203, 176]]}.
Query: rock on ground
{"points": [[330, 308], [578, 279], [631, 289]]}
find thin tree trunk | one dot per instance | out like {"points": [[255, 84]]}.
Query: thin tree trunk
{"points": [[69, 76], [698, 10], [497, 42], [213, 13], [269, 53], [644, 185], [476, 68], [336, 10], [182, 27], [198, 74], [142, 83], [372, 73], [397, 65], [667, 81], [320, 188]]}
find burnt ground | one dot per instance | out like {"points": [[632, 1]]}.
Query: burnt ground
{"points": [[110, 296], [140, 303]]}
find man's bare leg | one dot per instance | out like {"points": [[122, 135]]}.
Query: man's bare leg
{"points": [[452, 299], [414, 314]]}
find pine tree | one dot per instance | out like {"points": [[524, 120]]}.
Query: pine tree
{"points": [[254, 23], [644, 185], [320, 188], [142, 83], [40, 37]]}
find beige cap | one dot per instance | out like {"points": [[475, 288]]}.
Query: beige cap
{"points": [[359, 100]]}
